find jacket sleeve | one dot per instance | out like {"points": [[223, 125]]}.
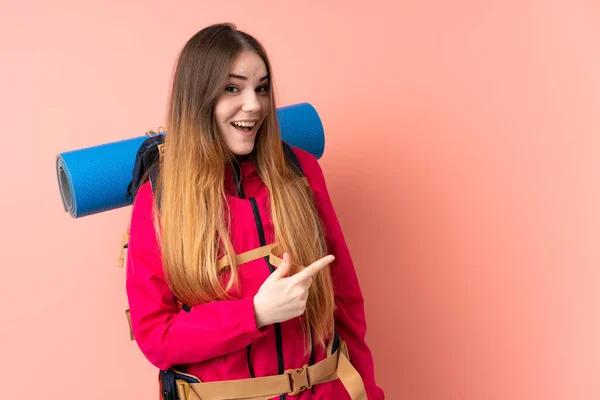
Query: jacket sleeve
{"points": [[350, 320], [165, 335]]}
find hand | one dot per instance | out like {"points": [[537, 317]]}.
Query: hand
{"points": [[281, 298]]}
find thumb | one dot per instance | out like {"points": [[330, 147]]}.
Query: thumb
{"points": [[283, 269]]}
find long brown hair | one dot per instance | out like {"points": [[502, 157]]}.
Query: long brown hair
{"points": [[193, 221]]}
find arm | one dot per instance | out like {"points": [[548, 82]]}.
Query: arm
{"points": [[350, 320], [166, 335]]}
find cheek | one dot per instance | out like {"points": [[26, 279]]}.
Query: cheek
{"points": [[223, 110], [220, 118], [264, 105], [218, 111]]}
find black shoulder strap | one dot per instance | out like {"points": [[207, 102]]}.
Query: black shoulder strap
{"points": [[153, 178], [147, 156], [291, 156]]}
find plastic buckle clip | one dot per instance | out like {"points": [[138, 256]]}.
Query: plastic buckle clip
{"points": [[298, 380]]}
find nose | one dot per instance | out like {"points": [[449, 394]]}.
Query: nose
{"points": [[250, 102]]}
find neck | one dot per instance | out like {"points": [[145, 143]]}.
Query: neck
{"points": [[242, 158]]}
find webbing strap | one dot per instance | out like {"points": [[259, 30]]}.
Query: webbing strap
{"points": [[292, 382], [248, 256], [271, 250], [350, 377]]}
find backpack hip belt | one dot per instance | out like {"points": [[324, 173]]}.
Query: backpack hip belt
{"points": [[292, 382]]}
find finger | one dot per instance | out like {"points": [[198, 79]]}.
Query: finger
{"points": [[283, 269], [313, 268], [305, 283], [308, 281]]}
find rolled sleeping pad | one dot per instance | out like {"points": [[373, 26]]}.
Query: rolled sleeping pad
{"points": [[95, 179]]}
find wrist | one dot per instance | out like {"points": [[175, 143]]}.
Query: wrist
{"points": [[258, 313]]}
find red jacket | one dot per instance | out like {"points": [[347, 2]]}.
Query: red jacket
{"points": [[219, 340]]}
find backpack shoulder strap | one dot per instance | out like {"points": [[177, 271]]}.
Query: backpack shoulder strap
{"points": [[153, 177], [292, 158], [148, 155]]}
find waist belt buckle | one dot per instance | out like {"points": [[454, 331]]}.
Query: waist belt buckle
{"points": [[298, 380]]}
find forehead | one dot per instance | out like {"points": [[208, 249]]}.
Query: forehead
{"points": [[248, 64]]}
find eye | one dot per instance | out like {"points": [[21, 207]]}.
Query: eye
{"points": [[231, 89], [263, 89]]}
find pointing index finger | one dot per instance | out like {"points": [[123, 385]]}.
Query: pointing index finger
{"points": [[313, 268]]}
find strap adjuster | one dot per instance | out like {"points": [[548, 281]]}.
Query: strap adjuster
{"points": [[298, 380]]}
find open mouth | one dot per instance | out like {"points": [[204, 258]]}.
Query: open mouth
{"points": [[244, 126]]}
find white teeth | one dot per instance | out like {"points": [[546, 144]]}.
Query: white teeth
{"points": [[247, 124]]}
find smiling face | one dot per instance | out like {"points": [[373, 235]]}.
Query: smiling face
{"points": [[242, 107]]}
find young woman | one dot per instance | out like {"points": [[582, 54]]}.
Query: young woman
{"points": [[228, 207]]}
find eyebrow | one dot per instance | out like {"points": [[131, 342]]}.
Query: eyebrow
{"points": [[244, 78]]}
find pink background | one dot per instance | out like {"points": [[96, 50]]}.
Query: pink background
{"points": [[462, 156]]}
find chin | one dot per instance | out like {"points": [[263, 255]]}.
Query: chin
{"points": [[242, 150]]}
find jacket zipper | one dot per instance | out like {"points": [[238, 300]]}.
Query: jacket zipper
{"points": [[262, 240]]}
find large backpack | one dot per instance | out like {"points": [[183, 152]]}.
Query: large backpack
{"points": [[146, 167]]}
